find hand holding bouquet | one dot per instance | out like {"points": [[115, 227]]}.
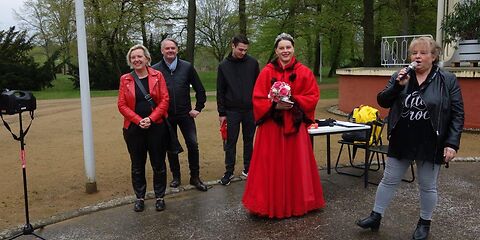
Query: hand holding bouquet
{"points": [[280, 92]]}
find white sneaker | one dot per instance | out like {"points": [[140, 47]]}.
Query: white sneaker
{"points": [[245, 174]]}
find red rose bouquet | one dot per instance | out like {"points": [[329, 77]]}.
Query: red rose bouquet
{"points": [[280, 92]]}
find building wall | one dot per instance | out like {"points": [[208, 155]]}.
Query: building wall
{"points": [[358, 86]]}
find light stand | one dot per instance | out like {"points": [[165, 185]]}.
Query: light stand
{"points": [[28, 228]]}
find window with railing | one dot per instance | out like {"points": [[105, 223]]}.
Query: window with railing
{"points": [[394, 50]]}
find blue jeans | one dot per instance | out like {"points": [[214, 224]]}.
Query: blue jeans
{"points": [[234, 119], [189, 132]]}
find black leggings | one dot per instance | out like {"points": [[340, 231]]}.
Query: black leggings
{"points": [[140, 141]]}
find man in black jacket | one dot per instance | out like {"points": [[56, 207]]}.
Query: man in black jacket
{"points": [[235, 81], [179, 75]]}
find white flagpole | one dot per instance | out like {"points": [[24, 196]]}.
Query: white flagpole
{"points": [[89, 159]]}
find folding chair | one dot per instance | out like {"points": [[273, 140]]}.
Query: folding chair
{"points": [[376, 149], [353, 146]]}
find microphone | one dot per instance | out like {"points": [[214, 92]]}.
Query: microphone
{"points": [[410, 68]]}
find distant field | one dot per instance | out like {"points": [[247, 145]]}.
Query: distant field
{"points": [[63, 88]]}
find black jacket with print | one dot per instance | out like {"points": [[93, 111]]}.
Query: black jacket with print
{"points": [[443, 98]]}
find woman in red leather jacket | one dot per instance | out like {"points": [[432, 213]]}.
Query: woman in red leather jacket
{"points": [[143, 128]]}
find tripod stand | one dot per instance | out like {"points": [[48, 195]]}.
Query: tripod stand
{"points": [[27, 228]]}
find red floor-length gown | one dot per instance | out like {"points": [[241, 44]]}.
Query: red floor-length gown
{"points": [[283, 179]]}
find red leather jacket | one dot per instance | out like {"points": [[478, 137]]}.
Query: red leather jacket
{"points": [[126, 97]]}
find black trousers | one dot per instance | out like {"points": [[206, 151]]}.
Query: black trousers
{"points": [[140, 141], [189, 131], [234, 119]]}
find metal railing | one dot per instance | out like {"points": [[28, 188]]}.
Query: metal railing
{"points": [[394, 50]]}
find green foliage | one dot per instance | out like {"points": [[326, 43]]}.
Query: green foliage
{"points": [[394, 18], [62, 88], [464, 22], [114, 26], [336, 21], [18, 69], [327, 80], [424, 21], [273, 18], [44, 95], [204, 60], [106, 75], [61, 83], [216, 24], [110, 41], [209, 80], [328, 93]]}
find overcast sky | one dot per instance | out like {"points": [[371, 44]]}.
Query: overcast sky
{"points": [[6, 13]]}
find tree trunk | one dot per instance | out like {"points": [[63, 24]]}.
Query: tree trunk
{"points": [[290, 22], [191, 16], [316, 67], [141, 8], [405, 5], [242, 17], [112, 41], [337, 47], [98, 24], [368, 34]]}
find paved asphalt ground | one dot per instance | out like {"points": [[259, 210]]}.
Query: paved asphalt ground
{"points": [[219, 214]]}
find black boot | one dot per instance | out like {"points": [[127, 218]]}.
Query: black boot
{"points": [[139, 205], [160, 204], [175, 183], [372, 222], [422, 230], [195, 181]]}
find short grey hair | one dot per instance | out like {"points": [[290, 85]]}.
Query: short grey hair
{"points": [[169, 39], [145, 51]]}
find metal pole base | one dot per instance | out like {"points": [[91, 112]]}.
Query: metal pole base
{"points": [[27, 230], [91, 187]]}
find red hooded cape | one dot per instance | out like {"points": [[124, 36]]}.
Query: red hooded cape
{"points": [[283, 178], [304, 92]]}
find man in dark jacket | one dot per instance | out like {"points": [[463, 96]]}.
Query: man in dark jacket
{"points": [[235, 81], [179, 75]]}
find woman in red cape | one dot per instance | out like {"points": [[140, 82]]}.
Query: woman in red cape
{"points": [[283, 179]]}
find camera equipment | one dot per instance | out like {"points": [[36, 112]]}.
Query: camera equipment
{"points": [[12, 102], [325, 122], [17, 101]]}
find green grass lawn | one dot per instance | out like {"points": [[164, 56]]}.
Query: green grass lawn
{"points": [[328, 93], [63, 88], [209, 80]]}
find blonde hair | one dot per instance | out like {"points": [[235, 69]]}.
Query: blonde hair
{"points": [[145, 52], [435, 48]]}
